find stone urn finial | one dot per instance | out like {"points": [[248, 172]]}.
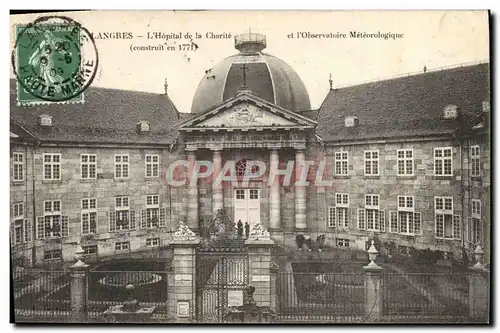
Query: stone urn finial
{"points": [[79, 252], [478, 255], [372, 255]]}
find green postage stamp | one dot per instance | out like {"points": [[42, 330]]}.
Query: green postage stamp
{"points": [[54, 60]]}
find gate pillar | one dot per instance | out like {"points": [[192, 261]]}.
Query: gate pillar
{"points": [[184, 243], [259, 244]]}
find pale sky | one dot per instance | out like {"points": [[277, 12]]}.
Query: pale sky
{"points": [[434, 39]]}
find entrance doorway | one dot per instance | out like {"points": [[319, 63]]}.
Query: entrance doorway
{"points": [[247, 205]]}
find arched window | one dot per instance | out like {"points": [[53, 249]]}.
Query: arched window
{"points": [[241, 168]]}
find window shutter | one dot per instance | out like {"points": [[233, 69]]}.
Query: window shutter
{"points": [[456, 227], [418, 223], [393, 222], [132, 219], [162, 217], [332, 214], [112, 220], [64, 226], [361, 219], [469, 236], [40, 227], [27, 230], [382, 220], [143, 218]]}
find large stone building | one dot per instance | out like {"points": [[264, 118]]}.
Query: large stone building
{"points": [[406, 159]]}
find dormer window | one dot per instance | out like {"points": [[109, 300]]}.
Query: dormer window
{"points": [[143, 126], [450, 111], [351, 121], [45, 120]]}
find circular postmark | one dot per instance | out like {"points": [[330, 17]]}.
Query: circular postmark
{"points": [[54, 59]]}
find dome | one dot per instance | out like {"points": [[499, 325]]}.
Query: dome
{"points": [[266, 76]]}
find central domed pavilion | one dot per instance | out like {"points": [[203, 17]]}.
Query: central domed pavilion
{"points": [[268, 77]]}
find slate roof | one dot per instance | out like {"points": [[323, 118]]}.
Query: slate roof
{"points": [[405, 106], [106, 116]]}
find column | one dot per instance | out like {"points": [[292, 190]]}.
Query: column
{"points": [[217, 196], [78, 291], [274, 194], [300, 192], [192, 193], [373, 287]]}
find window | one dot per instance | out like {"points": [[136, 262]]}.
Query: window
{"points": [[89, 216], [122, 246], [22, 228], [342, 242], [371, 217], [476, 208], [371, 163], [253, 194], [121, 166], [447, 224], [51, 166], [152, 166], [476, 227], [405, 162], [241, 168], [341, 163], [475, 222], [405, 221], [122, 218], [88, 250], [18, 167], [52, 254], [443, 162], [338, 216], [240, 194], [475, 158], [152, 242], [52, 224], [88, 166], [151, 215]]}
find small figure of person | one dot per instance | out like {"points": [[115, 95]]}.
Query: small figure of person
{"points": [[299, 240], [240, 228], [247, 229]]}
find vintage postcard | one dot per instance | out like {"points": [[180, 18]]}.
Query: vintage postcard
{"points": [[250, 167]]}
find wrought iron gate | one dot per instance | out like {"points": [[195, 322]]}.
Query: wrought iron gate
{"points": [[221, 277]]}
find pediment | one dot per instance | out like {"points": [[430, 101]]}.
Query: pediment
{"points": [[246, 112]]}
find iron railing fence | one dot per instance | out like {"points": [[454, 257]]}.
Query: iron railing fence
{"points": [[417, 294], [41, 293], [319, 297]]}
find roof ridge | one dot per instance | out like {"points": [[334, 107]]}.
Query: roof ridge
{"points": [[413, 74]]}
